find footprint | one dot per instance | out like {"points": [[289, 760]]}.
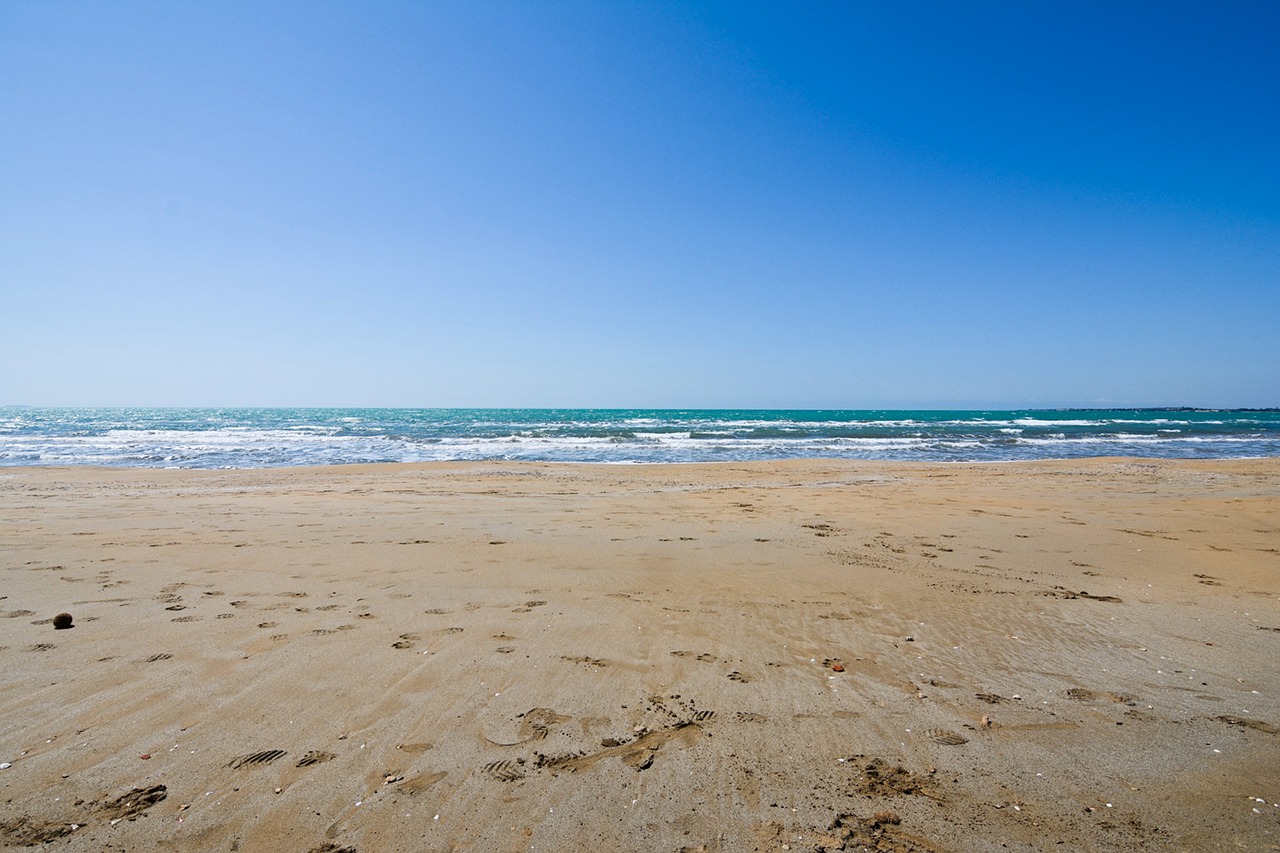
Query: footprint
{"points": [[41, 647], [255, 758], [133, 803], [418, 784], [415, 748], [945, 737], [748, 717], [739, 677], [313, 757], [226, 616], [1081, 695], [637, 754], [505, 771], [329, 607], [1249, 723], [704, 716], [158, 657], [537, 722], [583, 659], [186, 619]]}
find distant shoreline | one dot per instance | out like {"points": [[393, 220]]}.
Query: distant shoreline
{"points": [[266, 438], [311, 408]]}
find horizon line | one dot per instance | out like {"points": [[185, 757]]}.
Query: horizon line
{"points": [[491, 408]]}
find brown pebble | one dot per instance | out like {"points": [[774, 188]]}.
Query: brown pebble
{"points": [[145, 756], [62, 620]]}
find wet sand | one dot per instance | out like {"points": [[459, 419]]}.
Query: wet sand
{"points": [[803, 655]]}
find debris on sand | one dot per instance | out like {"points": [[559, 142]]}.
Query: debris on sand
{"points": [[878, 779]]}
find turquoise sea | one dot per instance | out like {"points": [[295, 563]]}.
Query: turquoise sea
{"points": [[259, 438]]}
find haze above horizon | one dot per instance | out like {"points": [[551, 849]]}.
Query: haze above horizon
{"points": [[625, 205]]}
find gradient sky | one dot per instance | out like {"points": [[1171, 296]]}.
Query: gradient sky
{"points": [[843, 205]]}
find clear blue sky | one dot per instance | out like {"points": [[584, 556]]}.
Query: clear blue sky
{"points": [[640, 204]]}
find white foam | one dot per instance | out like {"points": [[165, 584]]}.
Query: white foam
{"points": [[257, 438]]}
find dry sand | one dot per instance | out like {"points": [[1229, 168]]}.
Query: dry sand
{"points": [[497, 657]]}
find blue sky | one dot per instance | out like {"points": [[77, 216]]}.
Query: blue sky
{"points": [[640, 204]]}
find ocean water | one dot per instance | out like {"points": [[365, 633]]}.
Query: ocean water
{"points": [[259, 438]]}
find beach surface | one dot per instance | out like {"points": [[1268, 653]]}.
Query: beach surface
{"points": [[794, 655]]}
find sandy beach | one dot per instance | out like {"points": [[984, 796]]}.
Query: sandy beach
{"points": [[800, 655]]}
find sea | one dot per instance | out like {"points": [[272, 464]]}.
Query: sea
{"points": [[264, 437]]}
